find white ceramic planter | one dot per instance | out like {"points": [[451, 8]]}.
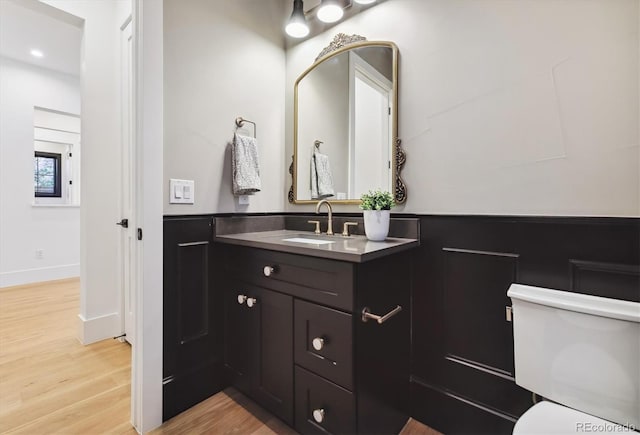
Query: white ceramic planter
{"points": [[376, 224]]}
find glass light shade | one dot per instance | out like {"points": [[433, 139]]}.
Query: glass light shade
{"points": [[365, 2], [329, 11]]}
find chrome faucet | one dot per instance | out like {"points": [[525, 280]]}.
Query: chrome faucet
{"points": [[330, 215]]}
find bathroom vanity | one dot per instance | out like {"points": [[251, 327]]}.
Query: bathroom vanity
{"points": [[318, 334]]}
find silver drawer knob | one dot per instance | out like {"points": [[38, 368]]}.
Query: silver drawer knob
{"points": [[251, 302], [241, 299], [318, 415], [318, 343], [268, 270]]}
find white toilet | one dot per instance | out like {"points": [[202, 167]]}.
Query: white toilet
{"points": [[581, 353]]}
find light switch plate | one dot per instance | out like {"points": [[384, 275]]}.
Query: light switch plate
{"points": [[181, 191]]}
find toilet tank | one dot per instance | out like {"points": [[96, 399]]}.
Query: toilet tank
{"points": [[578, 350]]}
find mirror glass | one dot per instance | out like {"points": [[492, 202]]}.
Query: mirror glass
{"points": [[345, 124]]}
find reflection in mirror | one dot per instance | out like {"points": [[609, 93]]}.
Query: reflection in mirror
{"points": [[345, 124]]}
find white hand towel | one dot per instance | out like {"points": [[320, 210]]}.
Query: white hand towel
{"points": [[244, 164], [321, 179]]}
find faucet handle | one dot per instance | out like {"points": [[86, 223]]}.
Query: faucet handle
{"points": [[345, 228], [317, 231]]}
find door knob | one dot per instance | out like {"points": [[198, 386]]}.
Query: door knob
{"points": [[318, 415], [124, 223], [241, 299], [318, 343], [269, 270], [251, 302]]}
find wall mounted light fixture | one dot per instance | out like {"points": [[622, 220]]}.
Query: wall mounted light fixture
{"points": [[326, 11]]}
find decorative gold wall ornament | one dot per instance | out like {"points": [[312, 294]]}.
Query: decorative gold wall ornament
{"points": [[290, 195], [400, 189], [339, 41]]}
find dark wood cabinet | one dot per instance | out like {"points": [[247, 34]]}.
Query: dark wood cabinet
{"points": [[461, 355], [239, 328], [324, 342], [322, 406], [259, 346], [297, 320], [192, 311]]}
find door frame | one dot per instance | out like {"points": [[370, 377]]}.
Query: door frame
{"points": [[127, 295], [146, 365]]}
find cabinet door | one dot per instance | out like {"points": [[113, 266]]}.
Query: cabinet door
{"points": [[192, 310], [239, 342], [273, 352]]}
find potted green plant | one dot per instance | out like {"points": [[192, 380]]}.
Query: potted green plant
{"points": [[376, 206]]}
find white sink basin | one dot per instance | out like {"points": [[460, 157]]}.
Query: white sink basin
{"points": [[308, 241]]}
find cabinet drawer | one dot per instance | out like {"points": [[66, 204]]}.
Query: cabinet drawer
{"points": [[329, 282], [333, 405], [331, 333]]}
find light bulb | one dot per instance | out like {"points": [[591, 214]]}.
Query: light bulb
{"points": [[297, 29], [297, 26], [365, 2], [329, 12], [37, 53]]}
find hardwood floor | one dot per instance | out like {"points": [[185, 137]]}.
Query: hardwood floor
{"points": [[230, 412], [50, 383]]}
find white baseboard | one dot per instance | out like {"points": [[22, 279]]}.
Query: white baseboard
{"points": [[29, 276], [98, 328]]}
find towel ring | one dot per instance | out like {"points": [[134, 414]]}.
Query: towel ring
{"points": [[240, 122]]}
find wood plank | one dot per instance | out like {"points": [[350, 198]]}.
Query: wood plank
{"points": [[49, 382]]}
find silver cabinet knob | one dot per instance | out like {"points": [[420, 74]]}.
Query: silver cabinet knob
{"points": [[241, 299], [268, 270], [318, 343], [318, 415], [251, 302]]}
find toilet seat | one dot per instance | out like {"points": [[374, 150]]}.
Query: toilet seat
{"points": [[550, 418]]}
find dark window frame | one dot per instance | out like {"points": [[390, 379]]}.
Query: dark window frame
{"points": [[57, 180]]}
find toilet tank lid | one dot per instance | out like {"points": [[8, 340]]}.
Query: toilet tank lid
{"points": [[581, 303], [550, 418]]}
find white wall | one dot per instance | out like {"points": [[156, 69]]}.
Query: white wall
{"points": [[99, 210], [223, 59], [25, 228], [525, 107]]}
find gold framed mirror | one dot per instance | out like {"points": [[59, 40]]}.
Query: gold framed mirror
{"points": [[345, 139]]}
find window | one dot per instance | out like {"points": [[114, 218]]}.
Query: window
{"points": [[47, 172], [56, 143]]}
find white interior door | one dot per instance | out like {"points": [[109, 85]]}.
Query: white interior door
{"points": [[127, 189], [370, 130]]}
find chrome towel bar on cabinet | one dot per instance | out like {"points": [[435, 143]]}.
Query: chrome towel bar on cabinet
{"points": [[366, 315]]}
